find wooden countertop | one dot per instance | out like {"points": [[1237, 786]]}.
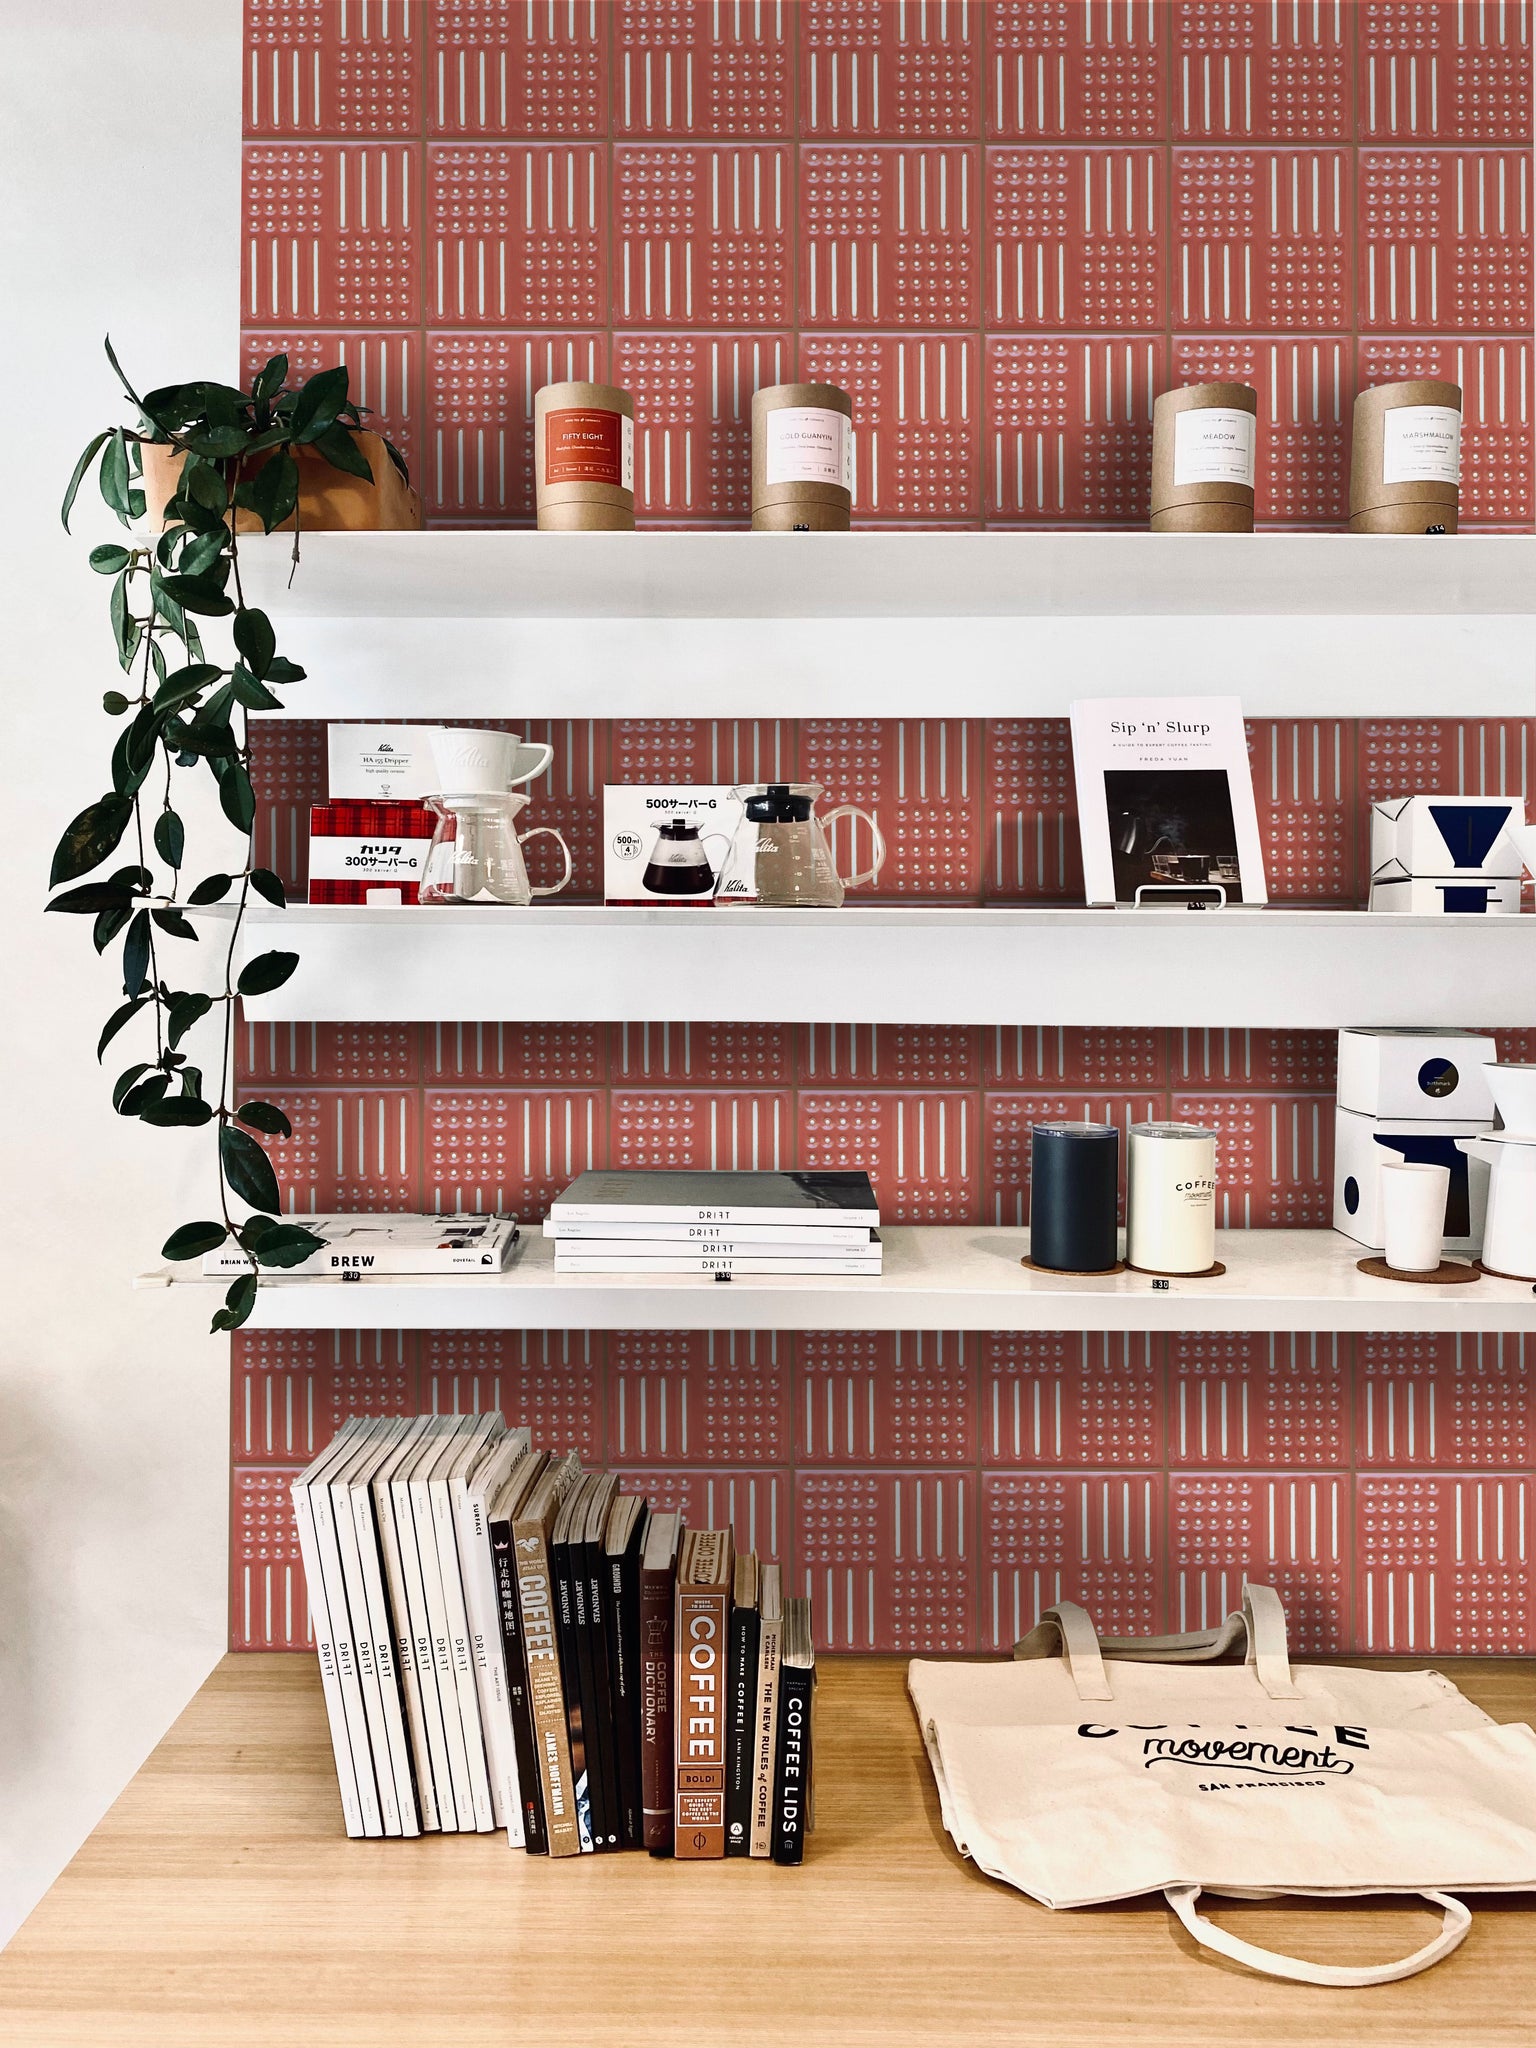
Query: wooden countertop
{"points": [[219, 1904]]}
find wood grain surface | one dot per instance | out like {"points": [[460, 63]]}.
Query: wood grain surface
{"points": [[219, 1904]]}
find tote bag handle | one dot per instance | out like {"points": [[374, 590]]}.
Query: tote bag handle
{"points": [[1066, 1629], [1452, 1934]]}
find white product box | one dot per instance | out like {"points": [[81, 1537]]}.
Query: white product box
{"points": [[388, 764], [642, 865], [1391, 1071], [1449, 895], [1361, 1143], [1444, 835]]}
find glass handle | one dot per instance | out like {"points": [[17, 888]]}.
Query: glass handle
{"points": [[550, 888], [853, 811]]}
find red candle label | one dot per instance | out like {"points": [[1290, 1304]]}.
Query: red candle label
{"points": [[585, 446]]}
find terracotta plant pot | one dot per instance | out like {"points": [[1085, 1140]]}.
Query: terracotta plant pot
{"points": [[330, 500]]}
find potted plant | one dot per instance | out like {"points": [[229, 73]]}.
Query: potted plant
{"points": [[205, 463]]}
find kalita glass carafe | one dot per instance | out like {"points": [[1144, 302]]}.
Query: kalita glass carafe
{"points": [[780, 856], [476, 852]]}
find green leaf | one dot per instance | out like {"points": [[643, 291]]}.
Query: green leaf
{"points": [[253, 695], [108, 560], [238, 1303], [170, 838], [342, 452], [182, 685], [255, 1231], [175, 923], [320, 399], [121, 378], [107, 926], [114, 478], [266, 972], [166, 605], [114, 703], [176, 1112], [93, 898], [134, 754], [212, 889], [192, 1240], [282, 670], [124, 1084], [78, 475], [255, 640], [87, 841], [191, 1077], [183, 1014], [266, 884], [217, 444], [123, 1014], [248, 1169], [136, 954], [197, 594], [123, 622], [272, 492], [268, 381], [290, 1244], [237, 799], [211, 739], [265, 1117], [144, 1096], [202, 551]]}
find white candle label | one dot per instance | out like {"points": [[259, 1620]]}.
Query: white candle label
{"points": [[584, 445], [1213, 444], [807, 444], [373, 860], [1421, 444]]}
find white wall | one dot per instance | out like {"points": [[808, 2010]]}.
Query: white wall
{"points": [[119, 208]]}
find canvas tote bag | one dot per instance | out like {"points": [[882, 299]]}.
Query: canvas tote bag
{"points": [[1086, 1771]]}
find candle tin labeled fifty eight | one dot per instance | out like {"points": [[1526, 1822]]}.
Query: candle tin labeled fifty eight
{"points": [[1171, 1199]]}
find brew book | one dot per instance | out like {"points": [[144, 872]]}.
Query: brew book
{"points": [[704, 1576], [357, 1246]]}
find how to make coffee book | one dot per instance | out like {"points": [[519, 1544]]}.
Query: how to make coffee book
{"points": [[506, 1642], [717, 1224]]}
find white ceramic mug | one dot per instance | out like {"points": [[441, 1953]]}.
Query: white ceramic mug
{"points": [[1413, 1199], [470, 761]]}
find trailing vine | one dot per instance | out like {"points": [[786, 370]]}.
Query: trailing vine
{"points": [[182, 711]]}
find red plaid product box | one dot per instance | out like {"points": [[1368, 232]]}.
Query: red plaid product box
{"points": [[358, 849]]}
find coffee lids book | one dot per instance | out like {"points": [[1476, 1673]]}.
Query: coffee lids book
{"points": [[1165, 800]]}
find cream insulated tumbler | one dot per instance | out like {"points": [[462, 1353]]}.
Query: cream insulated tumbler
{"points": [[1413, 1199], [1171, 1199]]}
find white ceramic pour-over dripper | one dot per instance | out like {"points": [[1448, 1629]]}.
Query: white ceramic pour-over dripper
{"points": [[1513, 1089], [470, 762]]}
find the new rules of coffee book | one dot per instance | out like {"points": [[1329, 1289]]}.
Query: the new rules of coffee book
{"points": [[704, 1577]]}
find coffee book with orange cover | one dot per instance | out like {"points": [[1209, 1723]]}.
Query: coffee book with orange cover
{"points": [[704, 1575], [531, 1530]]}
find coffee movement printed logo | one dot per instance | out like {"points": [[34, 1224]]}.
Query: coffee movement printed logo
{"points": [[1261, 1756]]}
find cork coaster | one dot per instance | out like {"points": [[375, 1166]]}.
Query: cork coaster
{"points": [[1206, 1272], [1494, 1274], [1449, 1273], [1074, 1272]]}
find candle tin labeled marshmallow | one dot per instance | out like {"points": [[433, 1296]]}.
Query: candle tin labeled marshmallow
{"points": [[1073, 1189], [1171, 1199], [1405, 458]]}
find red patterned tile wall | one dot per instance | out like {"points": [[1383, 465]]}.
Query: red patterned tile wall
{"points": [[1003, 229]]}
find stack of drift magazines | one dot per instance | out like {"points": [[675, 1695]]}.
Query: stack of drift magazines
{"points": [[508, 1642], [777, 1224]]}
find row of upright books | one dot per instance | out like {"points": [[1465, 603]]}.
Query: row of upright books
{"points": [[720, 1224], [508, 1642]]}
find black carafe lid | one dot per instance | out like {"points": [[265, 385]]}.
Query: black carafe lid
{"points": [[678, 828], [778, 805]]}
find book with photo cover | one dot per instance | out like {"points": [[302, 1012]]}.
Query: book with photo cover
{"points": [[501, 1511], [566, 1568], [400, 1245], [531, 1529], [1165, 801], [662, 1196]]}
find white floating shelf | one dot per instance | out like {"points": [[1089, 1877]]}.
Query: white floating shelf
{"points": [[934, 1279], [1275, 969], [501, 624]]}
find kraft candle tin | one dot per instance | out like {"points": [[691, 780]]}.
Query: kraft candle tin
{"points": [[1074, 1183], [1405, 458], [1171, 1199], [802, 459], [584, 458], [1204, 452]]}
